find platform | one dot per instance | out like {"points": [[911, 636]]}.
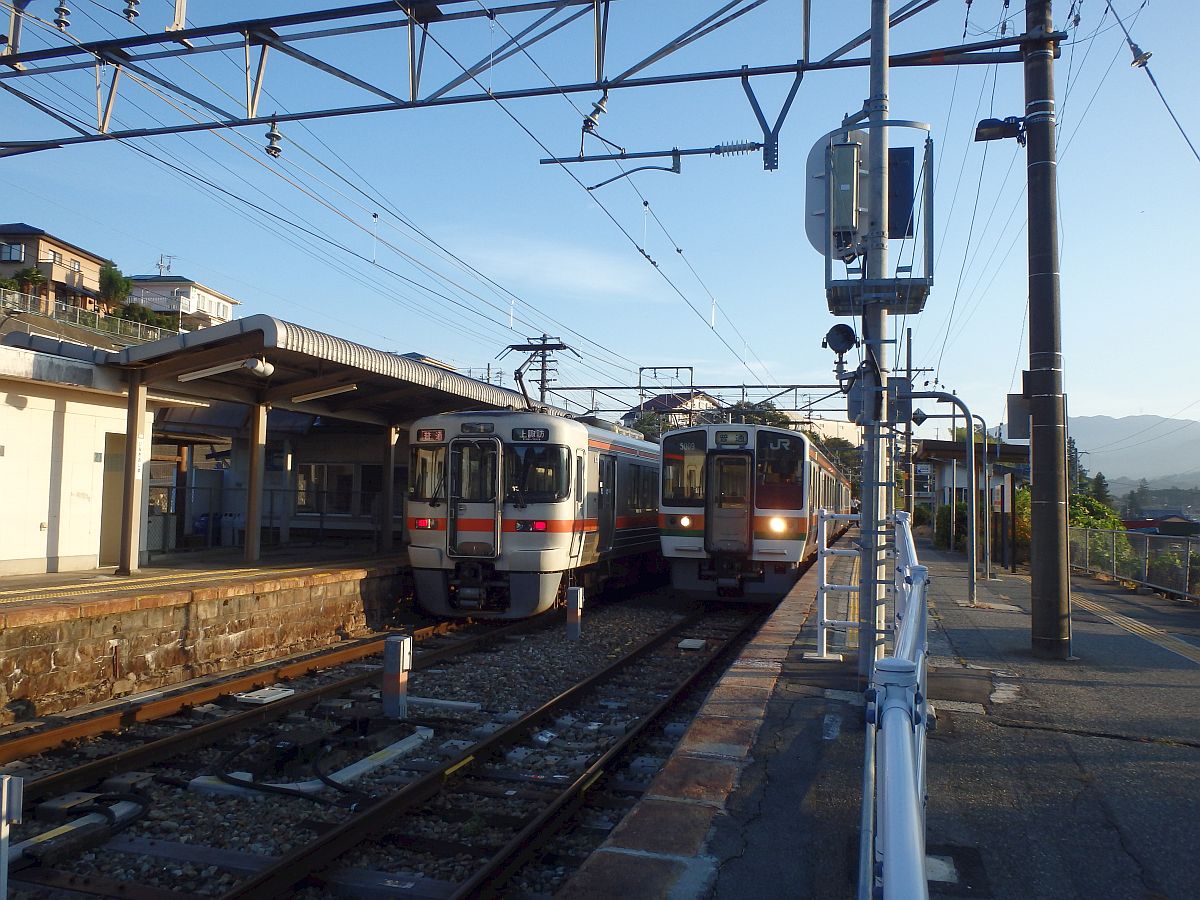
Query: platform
{"points": [[78, 638], [1045, 779]]}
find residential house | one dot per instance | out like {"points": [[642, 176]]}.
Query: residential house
{"points": [[681, 408], [194, 304], [70, 274]]}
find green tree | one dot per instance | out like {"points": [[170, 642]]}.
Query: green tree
{"points": [[651, 424], [30, 280], [1100, 490], [763, 413], [1088, 512], [114, 287], [1077, 475], [1137, 500], [135, 312]]}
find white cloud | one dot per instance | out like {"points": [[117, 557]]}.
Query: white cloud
{"points": [[558, 269]]}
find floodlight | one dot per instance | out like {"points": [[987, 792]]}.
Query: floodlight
{"points": [[840, 339], [999, 129]]}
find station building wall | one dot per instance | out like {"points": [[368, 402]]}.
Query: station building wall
{"points": [[62, 449]]}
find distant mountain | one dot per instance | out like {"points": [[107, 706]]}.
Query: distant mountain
{"points": [[1166, 452]]}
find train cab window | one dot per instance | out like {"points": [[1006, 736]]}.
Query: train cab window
{"points": [[683, 468], [427, 473], [779, 474], [536, 473], [473, 471], [733, 479]]}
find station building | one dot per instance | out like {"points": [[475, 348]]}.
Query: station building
{"points": [[251, 434]]}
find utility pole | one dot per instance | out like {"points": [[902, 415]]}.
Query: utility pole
{"points": [[872, 613], [1050, 582]]}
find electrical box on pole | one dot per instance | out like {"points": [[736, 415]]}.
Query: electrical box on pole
{"points": [[837, 183]]}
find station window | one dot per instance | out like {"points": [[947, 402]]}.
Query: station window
{"points": [[325, 488], [12, 253]]}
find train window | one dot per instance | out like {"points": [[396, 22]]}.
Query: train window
{"points": [[427, 473], [536, 473], [473, 471], [779, 471], [683, 468]]}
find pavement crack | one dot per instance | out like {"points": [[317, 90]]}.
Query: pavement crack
{"points": [[1153, 890], [1084, 732]]}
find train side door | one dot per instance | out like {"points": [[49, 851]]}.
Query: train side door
{"points": [[473, 502], [606, 495], [729, 513], [580, 506]]}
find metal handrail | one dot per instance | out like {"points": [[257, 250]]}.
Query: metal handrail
{"points": [[892, 850], [82, 318]]}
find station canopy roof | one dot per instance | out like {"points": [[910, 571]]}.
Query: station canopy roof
{"points": [[312, 372]]}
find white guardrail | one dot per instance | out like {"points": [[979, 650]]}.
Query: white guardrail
{"points": [[892, 851]]}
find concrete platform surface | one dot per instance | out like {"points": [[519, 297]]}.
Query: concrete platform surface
{"points": [[1046, 779]]}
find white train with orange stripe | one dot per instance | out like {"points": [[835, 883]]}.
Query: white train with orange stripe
{"points": [[738, 508], [506, 509]]}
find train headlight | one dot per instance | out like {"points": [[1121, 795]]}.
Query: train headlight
{"points": [[778, 525], [426, 523], [538, 526], [685, 521]]}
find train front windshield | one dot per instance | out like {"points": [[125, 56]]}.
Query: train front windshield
{"points": [[683, 468], [779, 475], [536, 473]]}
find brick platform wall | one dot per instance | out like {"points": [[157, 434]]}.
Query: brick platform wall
{"points": [[60, 654]]}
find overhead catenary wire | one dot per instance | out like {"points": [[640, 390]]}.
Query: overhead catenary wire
{"points": [[607, 212], [419, 264]]}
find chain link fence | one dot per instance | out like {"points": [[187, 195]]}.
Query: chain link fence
{"points": [[1163, 562]]}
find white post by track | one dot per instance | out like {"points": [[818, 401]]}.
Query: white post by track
{"points": [[397, 661], [12, 795], [824, 623], [574, 613]]}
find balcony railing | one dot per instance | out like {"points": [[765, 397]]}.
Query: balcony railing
{"points": [[82, 318]]}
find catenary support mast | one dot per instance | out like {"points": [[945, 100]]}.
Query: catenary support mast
{"points": [[875, 331], [1050, 583]]}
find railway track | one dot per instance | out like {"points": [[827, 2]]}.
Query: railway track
{"points": [[204, 733], [475, 793]]}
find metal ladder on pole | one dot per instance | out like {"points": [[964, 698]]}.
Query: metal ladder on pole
{"points": [[824, 588]]}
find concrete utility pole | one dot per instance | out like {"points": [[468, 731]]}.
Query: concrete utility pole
{"points": [[872, 613], [1050, 582]]}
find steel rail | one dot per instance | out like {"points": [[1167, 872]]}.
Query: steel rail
{"points": [[489, 880], [278, 879], [210, 732]]}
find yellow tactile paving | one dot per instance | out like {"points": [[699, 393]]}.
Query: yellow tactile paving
{"points": [[852, 608], [143, 583], [1164, 640]]}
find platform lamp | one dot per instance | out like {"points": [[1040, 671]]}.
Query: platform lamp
{"points": [[1000, 129]]}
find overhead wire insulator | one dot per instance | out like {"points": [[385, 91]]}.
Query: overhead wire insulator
{"points": [[735, 148], [273, 138], [131, 9], [62, 16]]}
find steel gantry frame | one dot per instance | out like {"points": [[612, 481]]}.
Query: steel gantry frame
{"points": [[253, 37]]}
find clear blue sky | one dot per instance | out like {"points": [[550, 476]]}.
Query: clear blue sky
{"points": [[469, 177]]}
